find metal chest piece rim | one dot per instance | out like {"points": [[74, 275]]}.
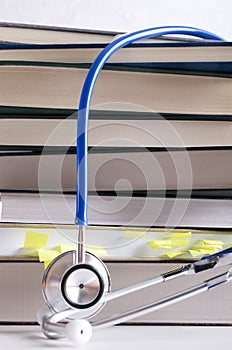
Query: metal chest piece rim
{"points": [[77, 286]]}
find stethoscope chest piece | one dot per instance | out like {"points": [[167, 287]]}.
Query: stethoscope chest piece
{"points": [[82, 286], [79, 286]]}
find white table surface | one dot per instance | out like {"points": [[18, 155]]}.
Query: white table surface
{"points": [[123, 337]]}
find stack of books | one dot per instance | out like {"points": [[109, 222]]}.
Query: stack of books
{"points": [[160, 138]]}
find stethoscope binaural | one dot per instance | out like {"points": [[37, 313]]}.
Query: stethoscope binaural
{"points": [[76, 285]]}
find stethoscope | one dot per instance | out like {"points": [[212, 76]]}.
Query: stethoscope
{"points": [[77, 284]]}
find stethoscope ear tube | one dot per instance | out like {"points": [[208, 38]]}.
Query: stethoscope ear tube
{"points": [[81, 218], [170, 300]]}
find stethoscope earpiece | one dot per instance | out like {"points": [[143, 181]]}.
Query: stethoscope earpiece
{"points": [[78, 331]]}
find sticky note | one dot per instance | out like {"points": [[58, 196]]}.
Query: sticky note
{"points": [[172, 254], [99, 251], [63, 248], [202, 251], [35, 240], [177, 235], [195, 253], [134, 234], [208, 244], [46, 263], [212, 242], [208, 251], [47, 254], [179, 242], [160, 243], [167, 243]]}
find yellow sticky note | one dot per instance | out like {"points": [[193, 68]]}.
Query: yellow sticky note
{"points": [[167, 243], [202, 251], [99, 251], [47, 254], [177, 235], [172, 254], [46, 263], [195, 253], [203, 243], [35, 240], [63, 248], [179, 242], [134, 234], [212, 242], [208, 251], [160, 243]]}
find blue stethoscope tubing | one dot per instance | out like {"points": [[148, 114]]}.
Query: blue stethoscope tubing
{"points": [[81, 218]]}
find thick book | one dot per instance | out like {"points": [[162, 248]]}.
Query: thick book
{"points": [[29, 33], [51, 208], [46, 127], [25, 277], [116, 169], [51, 87], [199, 57], [42, 34]]}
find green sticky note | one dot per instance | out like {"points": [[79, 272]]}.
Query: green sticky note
{"points": [[35, 240]]}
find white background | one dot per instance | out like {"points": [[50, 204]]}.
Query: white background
{"points": [[122, 15], [124, 338]]}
